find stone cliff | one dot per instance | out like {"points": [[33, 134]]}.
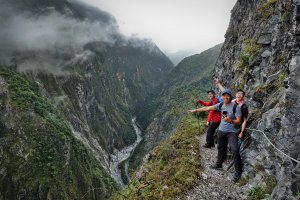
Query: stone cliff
{"points": [[261, 55]]}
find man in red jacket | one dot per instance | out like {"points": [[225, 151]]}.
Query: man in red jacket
{"points": [[213, 119]]}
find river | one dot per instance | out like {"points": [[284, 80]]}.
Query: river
{"points": [[119, 156]]}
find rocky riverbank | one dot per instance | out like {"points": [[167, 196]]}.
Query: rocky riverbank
{"points": [[123, 155]]}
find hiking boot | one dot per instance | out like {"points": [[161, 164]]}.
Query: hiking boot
{"points": [[236, 177], [216, 166], [206, 146]]}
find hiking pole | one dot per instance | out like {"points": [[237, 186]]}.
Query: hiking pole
{"points": [[198, 116]]}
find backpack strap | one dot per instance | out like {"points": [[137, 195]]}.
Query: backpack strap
{"points": [[220, 106], [234, 108]]}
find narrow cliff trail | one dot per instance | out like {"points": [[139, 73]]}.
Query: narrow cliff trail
{"points": [[215, 184]]}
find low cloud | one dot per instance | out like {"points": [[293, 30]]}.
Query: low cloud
{"points": [[50, 41], [45, 39]]}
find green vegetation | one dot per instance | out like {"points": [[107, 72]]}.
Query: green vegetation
{"points": [[187, 82], [244, 180], [25, 96], [249, 51], [260, 192], [181, 87], [46, 157], [284, 17], [172, 168], [270, 184], [256, 193], [267, 8], [273, 86], [258, 167], [279, 83], [185, 96], [298, 195]]}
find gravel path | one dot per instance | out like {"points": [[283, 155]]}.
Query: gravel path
{"points": [[215, 184]]}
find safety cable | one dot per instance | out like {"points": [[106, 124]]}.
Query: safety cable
{"points": [[297, 161]]}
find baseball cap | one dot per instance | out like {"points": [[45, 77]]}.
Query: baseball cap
{"points": [[227, 91], [211, 91]]}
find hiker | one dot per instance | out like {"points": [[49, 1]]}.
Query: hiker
{"points": [[231, 116], [213, 119], [240, 94]]}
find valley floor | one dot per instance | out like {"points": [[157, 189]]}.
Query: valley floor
{"points": [[215, 184]]}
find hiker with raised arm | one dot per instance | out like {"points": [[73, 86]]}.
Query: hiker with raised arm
{"points": [[213, 119], [231, 116], [240, 94]]}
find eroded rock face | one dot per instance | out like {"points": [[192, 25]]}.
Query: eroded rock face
{"points": [[261, 54]]}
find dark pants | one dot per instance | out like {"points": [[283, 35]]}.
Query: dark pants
{"points": [[210, 133], [232, 138]]}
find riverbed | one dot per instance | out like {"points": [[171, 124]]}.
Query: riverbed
{"points": [[124, 154]]}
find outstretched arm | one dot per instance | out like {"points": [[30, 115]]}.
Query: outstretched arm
{"points": [[217, 82], [204, 103], [203, 109]]}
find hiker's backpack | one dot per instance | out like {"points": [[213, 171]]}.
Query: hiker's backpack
{"points": [[220, 99]]}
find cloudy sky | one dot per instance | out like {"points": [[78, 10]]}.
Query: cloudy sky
{"points": [[174, 25]]}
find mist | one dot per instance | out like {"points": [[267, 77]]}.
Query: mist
{"points": [[50, 41]]}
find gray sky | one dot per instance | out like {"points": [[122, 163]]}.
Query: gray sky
{"points": [[173, 25]]}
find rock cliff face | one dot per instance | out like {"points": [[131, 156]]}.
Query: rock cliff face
{"points": [[261, 55]]}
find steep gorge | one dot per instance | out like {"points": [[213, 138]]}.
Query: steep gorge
{"points": [[74, 99]]}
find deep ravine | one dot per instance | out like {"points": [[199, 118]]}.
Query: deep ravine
{"points": [[122, 155]]}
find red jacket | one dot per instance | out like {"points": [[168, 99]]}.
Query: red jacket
{"points": [[213, 114]]}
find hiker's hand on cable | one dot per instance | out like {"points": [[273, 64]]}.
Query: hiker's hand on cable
{"points": [[192, 111], [207, 123]]}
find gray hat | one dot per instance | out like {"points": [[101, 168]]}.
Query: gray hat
{"points": [[227, 91]]}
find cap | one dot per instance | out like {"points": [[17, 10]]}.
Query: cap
{"points": [[211, 91], [227, 91]]}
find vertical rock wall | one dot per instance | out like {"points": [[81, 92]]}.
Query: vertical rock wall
{"points": [[261, 55]]}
